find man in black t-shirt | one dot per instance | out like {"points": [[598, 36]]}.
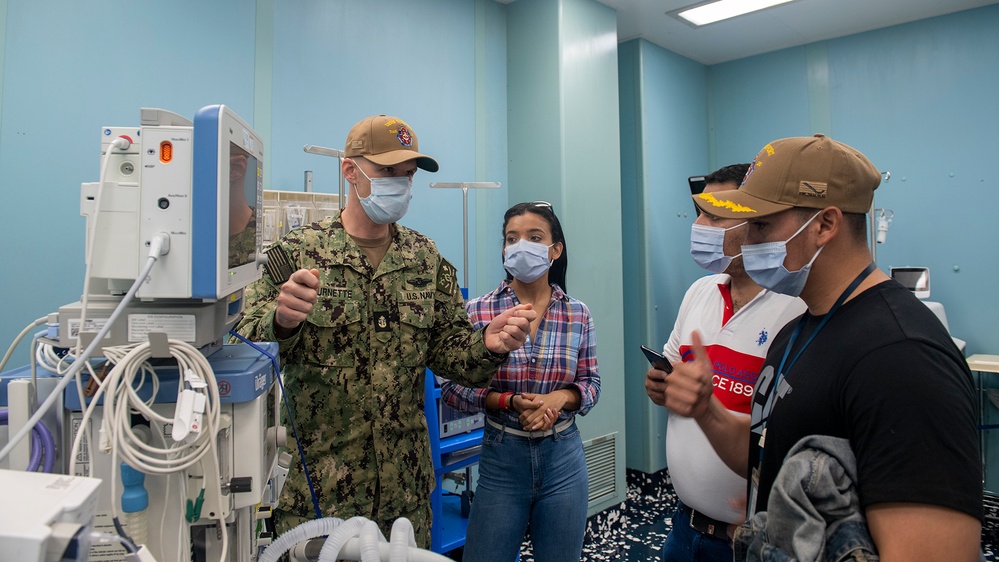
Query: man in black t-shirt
{"points": [[867, 362]]}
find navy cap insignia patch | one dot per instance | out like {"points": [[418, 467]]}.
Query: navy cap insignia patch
{"points": [[404, 136]]}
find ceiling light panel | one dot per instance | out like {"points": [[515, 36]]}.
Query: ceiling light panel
{"points": [[723, 9]]}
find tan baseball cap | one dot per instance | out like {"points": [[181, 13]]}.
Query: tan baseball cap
{"points": [[386, 141], [812, 172]]}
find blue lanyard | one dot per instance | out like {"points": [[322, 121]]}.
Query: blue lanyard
{"points": [[801, 324], [825, 318]]}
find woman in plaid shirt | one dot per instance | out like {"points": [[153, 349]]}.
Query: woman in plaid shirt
{"points": [[532, 471]]}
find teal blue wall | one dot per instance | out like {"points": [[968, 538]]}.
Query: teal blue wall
{"points": [[640, 423], [491, 143], [664, 140], [762, 97], [534, 96]]}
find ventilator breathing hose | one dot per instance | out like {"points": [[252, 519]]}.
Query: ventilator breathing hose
{"points": [[303, 532], [400, 540], [368, 537], [41, 442]]}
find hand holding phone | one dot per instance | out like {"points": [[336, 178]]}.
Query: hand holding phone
{"points": [[657, 360]]}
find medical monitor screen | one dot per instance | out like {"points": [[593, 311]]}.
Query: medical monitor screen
{"points": [[244, 173], [916, 279], [227, 202]]}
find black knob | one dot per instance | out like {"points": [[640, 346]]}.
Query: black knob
{"points": [[241, 484]]}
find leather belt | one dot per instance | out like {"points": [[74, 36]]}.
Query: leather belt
{"points": [[559, 427], [706, 525]]}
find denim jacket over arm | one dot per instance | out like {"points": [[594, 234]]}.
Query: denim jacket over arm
{"points": [[813, 513]]}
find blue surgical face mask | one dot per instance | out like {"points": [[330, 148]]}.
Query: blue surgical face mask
{"points": [[707, 247], [527, 261], [765, 265], [389, 198]]}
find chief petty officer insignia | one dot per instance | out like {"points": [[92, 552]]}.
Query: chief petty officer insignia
{"points": [[381, 321], [446, 277]]}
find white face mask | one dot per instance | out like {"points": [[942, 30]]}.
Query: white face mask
{"points": [[707, 246], [389, 198], [526, 260], [765, 265]]}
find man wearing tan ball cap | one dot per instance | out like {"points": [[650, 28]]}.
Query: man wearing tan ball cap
{"points": [[867, 363], [361, 306]]}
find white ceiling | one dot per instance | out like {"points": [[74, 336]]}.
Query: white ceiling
{"points": [[787, 25]]}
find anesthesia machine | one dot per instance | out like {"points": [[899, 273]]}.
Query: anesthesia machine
{"points": [[160, 441]]}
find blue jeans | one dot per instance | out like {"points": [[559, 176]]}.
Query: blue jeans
{"points": [[684, 544], [523, 481]]}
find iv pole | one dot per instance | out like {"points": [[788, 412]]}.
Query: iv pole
{"points": [[323, 151], [874, 220], [465, 186]]}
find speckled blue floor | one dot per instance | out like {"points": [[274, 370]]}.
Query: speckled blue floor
{"points": [[632, 530], [635, 529]]}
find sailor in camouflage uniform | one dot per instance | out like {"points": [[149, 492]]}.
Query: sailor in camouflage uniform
{"points": [[360, 307]]}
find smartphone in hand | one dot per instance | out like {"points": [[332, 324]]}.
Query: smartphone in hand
{"points": [[657, 360]]}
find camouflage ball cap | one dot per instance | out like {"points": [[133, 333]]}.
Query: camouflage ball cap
{"points": [[386, 141], [810, 172]]}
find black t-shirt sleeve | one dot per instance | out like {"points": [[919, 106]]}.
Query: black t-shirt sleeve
{"points": [[914, 428]]}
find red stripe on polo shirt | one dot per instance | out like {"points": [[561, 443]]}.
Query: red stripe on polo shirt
{"points": [[735, 375]]}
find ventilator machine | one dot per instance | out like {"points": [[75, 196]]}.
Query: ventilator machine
{"points": [[137, 433]]}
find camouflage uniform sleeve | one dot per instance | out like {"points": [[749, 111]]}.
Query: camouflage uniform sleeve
{"points": [[260, 300], [457, 351]]}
